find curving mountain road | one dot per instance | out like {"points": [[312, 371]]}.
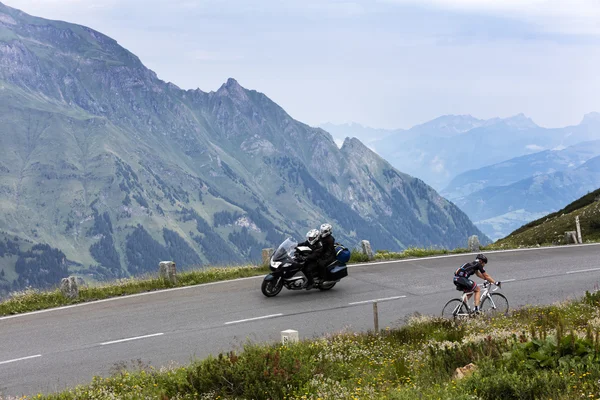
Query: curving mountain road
{"points": [[50, 350]]}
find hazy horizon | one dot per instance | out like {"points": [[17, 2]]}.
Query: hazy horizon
{"points": [[350, 123], [386, 64]]}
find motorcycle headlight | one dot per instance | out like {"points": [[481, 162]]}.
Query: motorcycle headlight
{"points": [[275, 264]]}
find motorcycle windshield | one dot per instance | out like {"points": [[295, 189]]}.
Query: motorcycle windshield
{"points": [[285, 250]]}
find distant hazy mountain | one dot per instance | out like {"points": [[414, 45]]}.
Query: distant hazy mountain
{"points": [[106, 170], [441, 149], [499, 210], [445, 126], [516, 169]]}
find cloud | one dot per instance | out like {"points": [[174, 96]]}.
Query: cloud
{"points": [[323, 60], [534, 147], [437, 165], [336, 8], [573, 16], [578, 8], [60, 3], [63, 9]]}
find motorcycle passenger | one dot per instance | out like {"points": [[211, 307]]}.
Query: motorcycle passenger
{"points": [[462, 281], [328, 253], [312, 241]]}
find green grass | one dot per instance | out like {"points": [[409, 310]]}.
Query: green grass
{"points": [[411, 252], [414, 252], [549, 352]]}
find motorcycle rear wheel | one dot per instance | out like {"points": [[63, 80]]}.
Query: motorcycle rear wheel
{"points": [[272, 287], [327, 285]]}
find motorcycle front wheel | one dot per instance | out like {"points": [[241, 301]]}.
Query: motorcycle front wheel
{"points": [[272, 287]]}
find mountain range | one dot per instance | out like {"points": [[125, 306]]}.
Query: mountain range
{"points": [[502, 197], [518, 168], [106, 169], [513, 170], [499, 210], [440, 150]]}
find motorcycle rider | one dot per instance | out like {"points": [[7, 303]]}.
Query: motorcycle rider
{"points": [[328, 243], [312, 241]]}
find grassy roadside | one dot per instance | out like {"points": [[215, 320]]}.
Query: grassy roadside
{"points": [[414, 252], [33, 300], [549, 352]]}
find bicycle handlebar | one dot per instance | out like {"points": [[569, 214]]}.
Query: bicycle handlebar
{"points": [[486, 284]]}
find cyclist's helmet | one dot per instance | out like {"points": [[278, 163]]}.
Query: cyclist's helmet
{"points": [[326, 230], [312, 236], [482, 258]]}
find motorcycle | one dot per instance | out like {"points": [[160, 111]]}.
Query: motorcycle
{"points": [[286, 265]]}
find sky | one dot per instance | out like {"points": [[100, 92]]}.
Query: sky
{"points": [[381, 63]]}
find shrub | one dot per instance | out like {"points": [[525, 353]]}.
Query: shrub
{"points": [[357, 256]]}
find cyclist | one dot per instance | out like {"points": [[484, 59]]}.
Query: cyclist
{"points": [[462, 281]]}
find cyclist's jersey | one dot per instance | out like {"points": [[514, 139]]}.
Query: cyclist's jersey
{"points": [[469, 269]]}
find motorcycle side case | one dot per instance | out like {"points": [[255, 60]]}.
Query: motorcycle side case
{"points": [[337, 272]]}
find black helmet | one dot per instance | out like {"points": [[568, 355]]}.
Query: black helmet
{"points": [[482, 258]]}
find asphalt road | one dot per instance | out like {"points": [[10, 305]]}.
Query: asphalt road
{"points": [[50, 350]]}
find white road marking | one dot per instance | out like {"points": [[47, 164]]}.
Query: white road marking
{"points": [[373, 301], [262, 277], [20, 359], [132, 338], [583, 270], [253, 319], [507, 280]]}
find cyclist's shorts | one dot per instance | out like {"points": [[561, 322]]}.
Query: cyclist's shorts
{"points": [[464, 284]]}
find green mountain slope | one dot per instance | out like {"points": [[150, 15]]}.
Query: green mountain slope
{"points": [[118, 169], [551, 228]]}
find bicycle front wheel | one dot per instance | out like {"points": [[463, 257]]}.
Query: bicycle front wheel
{"points": [[495, 304], [454, 308]]}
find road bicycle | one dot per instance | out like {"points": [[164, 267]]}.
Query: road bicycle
{"points": [[491, 303]]}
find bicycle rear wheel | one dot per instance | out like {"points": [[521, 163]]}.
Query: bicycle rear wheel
{"points": [[454, 308], [497, 304]]}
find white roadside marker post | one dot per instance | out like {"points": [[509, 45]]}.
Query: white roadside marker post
{"points": [[289, 336], [375, 318], [578, 230]]}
